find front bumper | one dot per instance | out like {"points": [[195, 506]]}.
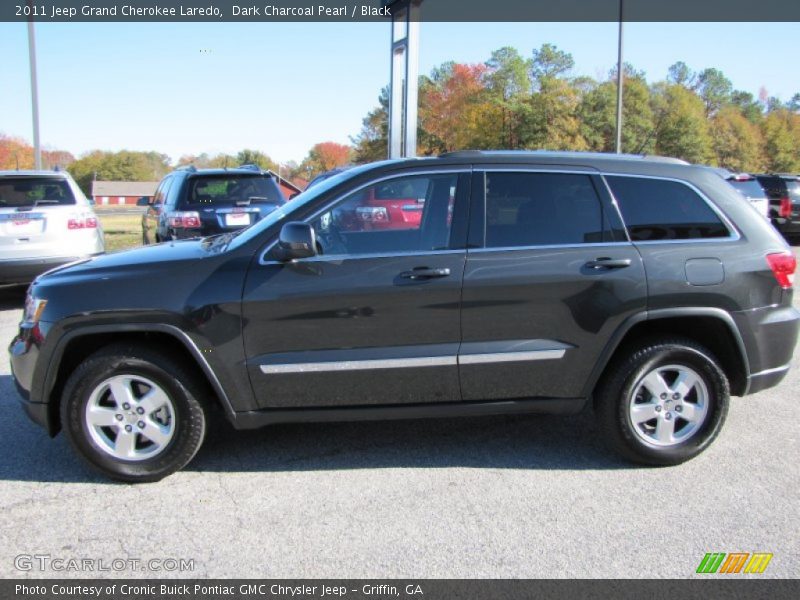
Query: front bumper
{"points": [[19, 271], [24, 354]]}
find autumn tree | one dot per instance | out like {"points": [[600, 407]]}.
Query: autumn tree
{"points": [[714, 88], [549, 62], [324, 157], [782, 140], [598, 115], [15, 153], [255, 157], [509, 88], [551, 120], [738, 144], [748, 105], [681, 125], [119, 166], [456, 107], [680, 74], [372, 142]]}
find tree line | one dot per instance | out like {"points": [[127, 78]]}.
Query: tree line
{"points": [[516, 102], [127, 165], [537, 102]]}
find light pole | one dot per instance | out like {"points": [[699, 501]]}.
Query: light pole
{"points": [[618, 147], [37, 149], [404, 83]]}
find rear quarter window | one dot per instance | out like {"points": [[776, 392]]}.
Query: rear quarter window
{"points": [[27, 191], [660, 209]]}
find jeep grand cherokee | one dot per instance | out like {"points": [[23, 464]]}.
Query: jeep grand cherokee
{"points": [[532, 282]]}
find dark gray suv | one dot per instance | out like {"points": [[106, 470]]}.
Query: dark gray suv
{"points": [[526, 282]]}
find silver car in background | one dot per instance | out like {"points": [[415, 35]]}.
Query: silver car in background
{"points": [[45, 221]]}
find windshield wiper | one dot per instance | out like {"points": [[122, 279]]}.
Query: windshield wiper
{"points": [[219, 240]]}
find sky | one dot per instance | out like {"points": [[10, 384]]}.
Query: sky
{"points": [[189, 88]]}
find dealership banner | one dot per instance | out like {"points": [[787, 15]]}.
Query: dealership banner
{"points": [[63, 11], [374, 589]]}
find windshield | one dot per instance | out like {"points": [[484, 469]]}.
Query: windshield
{"points": [[793, 187], [309, 195], [749, 188], [29, 191]]}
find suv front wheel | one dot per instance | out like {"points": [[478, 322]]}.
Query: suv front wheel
{"points": [[133, 414], [663, 402]]}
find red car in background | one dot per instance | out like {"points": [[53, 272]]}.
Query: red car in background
{"points": [[391, 205]]}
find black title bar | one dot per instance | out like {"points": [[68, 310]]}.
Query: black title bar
{"points": [[404, 589], [65, 11]]}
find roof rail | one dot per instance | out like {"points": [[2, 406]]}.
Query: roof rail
{"points": [[250, 167], [191, 168]]}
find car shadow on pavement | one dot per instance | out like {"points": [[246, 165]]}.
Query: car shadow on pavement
{"points": [[502, 442], [505, 442], [12, 296]]}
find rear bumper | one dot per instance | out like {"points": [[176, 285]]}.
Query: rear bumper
{"points": [[787, 226], [770, 335], [17, 271]]}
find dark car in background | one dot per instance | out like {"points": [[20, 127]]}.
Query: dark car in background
{"points": [[784, 202], [748, 186], [192, 202], [751, 189]]}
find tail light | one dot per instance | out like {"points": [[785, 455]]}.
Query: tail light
{"points": [[783, 265], [372, 214], [785, 210], [184, 220], [82, 221]]}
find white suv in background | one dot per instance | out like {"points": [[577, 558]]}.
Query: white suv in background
{"points": [[45, 221]]}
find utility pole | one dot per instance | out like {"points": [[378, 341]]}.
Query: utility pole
{"points": [[618, 148], [404, 83], [37, 148]]}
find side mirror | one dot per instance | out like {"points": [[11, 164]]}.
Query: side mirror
{"points": [[143, 201], [297, 240], [293, 196]]}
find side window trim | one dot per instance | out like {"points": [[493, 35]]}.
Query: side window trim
{"points": [[733, 232], [459, 171]]}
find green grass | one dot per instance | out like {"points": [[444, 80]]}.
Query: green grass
{"points": [[122, 232]]}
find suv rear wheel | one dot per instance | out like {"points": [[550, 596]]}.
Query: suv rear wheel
{"points": [[663, 402], [133, 414]]}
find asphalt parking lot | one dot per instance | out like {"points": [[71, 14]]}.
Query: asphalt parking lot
{"points": [[499, 497]]}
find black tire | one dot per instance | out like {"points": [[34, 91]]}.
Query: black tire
{"points": [[623, 378], [180, 386]]}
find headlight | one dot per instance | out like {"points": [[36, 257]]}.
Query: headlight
{"points": [[34, 307]]}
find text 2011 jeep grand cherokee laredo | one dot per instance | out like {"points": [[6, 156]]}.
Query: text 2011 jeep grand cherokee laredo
{"points": [[533, 282]]}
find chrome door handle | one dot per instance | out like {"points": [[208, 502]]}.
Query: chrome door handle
{"points": [[609, 263], [425, 273]]}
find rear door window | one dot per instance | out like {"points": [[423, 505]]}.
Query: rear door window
{"points": [[660, 209], [541, 209], [18, 192]]}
